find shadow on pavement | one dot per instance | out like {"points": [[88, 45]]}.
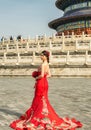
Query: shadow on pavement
{"points": [[10, 112]]}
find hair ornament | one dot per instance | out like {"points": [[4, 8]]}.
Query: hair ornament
{"points": [[48, 54]]}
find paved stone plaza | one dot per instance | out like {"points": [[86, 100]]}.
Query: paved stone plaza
{"points": [[69, 97]]}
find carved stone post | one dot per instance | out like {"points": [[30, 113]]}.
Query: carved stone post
{"points": [[53, 37], [18, 58], [86, 57], [33, 57], [27, 46], [90, 46], [63, 43], [72, 37], [50, 57], [38, 47], [50, 45], [76, 45], [4, 59], [83, 36], [67, 58], [7, 47], [17, 47]]}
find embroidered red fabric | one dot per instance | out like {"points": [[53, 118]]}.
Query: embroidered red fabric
{"points": [[41, 115]]}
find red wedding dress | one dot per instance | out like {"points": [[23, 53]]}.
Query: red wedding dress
{"points": [[41, 115]]}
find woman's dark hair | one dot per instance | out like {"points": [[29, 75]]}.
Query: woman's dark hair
{"points": [[46, 53]]}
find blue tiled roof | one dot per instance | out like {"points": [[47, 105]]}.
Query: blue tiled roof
{"points": [[78, 12], [55, 23], [62, 4]]}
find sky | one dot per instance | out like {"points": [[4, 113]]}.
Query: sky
{"points": [[27, 17]]}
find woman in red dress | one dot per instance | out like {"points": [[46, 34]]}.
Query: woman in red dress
{"points": [[41, 115]]}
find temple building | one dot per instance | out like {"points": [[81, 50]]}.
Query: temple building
{"points": [[76, 17]]}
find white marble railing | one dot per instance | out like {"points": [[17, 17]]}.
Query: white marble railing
{"points": [[53, 44], [54, 59], [62, 43], [26, 47]]}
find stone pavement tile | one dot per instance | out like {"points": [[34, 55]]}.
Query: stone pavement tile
{"points": [[69, 97]]}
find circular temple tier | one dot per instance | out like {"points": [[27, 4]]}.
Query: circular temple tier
{"points": [[76, 18]]}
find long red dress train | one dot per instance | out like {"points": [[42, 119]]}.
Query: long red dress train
{"points": [[41, 115]]}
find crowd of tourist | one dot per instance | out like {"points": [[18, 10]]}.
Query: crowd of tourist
{"points": [[11, 38]]}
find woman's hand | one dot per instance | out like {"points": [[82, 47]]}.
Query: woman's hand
{"points": [[36, 78]]}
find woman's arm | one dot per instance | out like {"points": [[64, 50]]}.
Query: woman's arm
{"points": [[49, 73], [42, 73]]}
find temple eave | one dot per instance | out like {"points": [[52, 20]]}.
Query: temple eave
{"points": [[55, 23], [62, 4]]}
